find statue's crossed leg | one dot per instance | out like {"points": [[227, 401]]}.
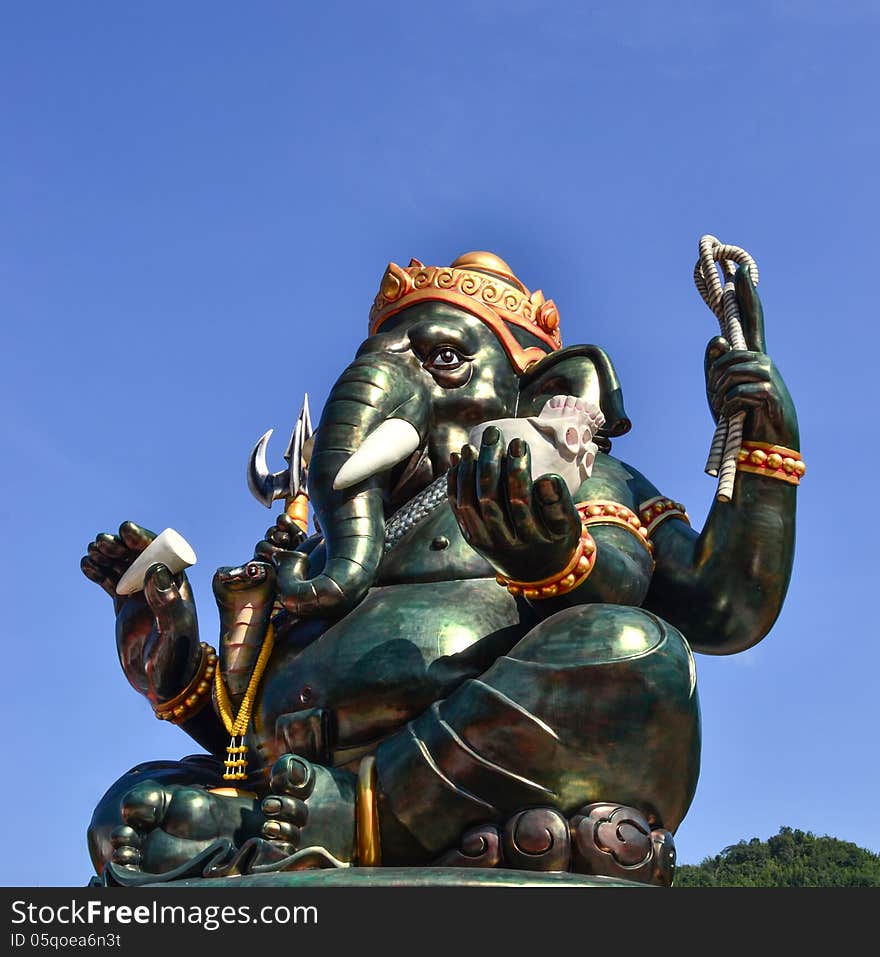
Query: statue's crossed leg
{"points": [[558, 757]]}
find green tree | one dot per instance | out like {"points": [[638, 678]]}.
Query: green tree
{"points": [[791, 858]]}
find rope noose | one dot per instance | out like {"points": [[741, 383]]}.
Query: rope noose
{"points": [[721, 299]]}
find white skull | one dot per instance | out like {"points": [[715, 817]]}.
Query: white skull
{"points": [[560, 439]]}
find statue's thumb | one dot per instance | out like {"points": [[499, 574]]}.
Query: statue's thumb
{"points": [[160, 590], [715, 348]]}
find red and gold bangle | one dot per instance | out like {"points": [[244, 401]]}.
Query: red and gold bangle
{"points": [[657, 510], [195, 695], [582, 562], [577, 571], [774, 461], [601, 512]]}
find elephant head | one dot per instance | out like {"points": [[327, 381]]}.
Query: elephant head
{"points": [[449, 348]]}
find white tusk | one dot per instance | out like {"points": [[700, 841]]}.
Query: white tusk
{"points": [[387, 445]]}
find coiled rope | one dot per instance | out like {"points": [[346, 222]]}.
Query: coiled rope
{"points": [[714, 278]]}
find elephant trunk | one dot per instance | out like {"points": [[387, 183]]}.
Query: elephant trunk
{"points": [[378, 409]]}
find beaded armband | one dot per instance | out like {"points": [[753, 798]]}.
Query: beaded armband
{"points": [[195, 695], [657, 510], [599, 512], [774, 461]]}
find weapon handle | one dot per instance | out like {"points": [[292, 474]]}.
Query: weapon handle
{"points": [[298, 509]]}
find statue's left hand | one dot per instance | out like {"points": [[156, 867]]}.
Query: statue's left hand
{"points": [[157, 633], [747, 380], [526, 529], [310, 808]]}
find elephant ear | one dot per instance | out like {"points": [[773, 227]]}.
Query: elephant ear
{"points": [[578, 370]]}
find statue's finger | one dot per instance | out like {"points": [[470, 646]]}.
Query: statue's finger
{"points": [[110, 545], [715, 349], [745, 397], [266, 551], [98, 576], [136, 537], [739, 374], [466, 506], [555, 507], [452, 496], [519, 492], [287, 524], [751, 312], [488, 485], [112, 568]]}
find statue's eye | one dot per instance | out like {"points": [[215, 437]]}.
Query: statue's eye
{"points": [[444, 359], [253, 570]]}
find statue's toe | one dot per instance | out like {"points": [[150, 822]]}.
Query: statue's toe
{"points": [[144, 807], [126, 844], [292, 775]]}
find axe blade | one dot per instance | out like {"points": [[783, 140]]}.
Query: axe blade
{"points": [[265, 486]]}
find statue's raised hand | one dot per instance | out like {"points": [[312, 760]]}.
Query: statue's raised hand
{"points": [[747, 380], [526, 529], [157, 634]]}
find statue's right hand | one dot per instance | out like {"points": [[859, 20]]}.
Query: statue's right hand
{"points": [[157, 633]]}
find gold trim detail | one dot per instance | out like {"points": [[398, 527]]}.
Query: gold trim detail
{"points": [[487, 289], [195, 695], [657, 510], [369, 851], [232, 793], [772, 461]]}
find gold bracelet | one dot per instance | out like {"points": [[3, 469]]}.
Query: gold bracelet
{"points": [[657, 510], [773, 461], [195, 695], [369, 850], [601, 512], [577, 571]]}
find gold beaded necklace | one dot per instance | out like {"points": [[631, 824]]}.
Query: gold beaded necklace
{"points": [[236, 751]]}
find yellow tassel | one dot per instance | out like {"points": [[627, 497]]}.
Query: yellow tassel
{"points": [[236, 727]]}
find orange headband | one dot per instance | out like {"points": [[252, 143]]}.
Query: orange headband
{"points": [[481, 284]]}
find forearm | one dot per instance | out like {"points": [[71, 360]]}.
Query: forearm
{"points": [[620, 574], [724, 588], [191, 708], [206, 729]]}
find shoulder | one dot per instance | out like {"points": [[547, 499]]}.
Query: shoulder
{"points": [[618, 481]]}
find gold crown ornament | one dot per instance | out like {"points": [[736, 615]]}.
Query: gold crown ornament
{"points": [[482, 284]]}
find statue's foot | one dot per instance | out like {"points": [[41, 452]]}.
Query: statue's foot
{"points": [[308, 817], [168, 825]]}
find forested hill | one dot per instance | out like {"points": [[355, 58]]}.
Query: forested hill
{"points": [[791, 858]]}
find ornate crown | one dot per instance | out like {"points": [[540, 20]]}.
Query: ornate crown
{"points": [[481, 284]]}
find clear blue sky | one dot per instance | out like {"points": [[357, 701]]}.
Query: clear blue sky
{"points": [[198, 201]]}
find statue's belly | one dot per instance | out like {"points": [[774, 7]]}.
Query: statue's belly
{"points": [[402, 648]]}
